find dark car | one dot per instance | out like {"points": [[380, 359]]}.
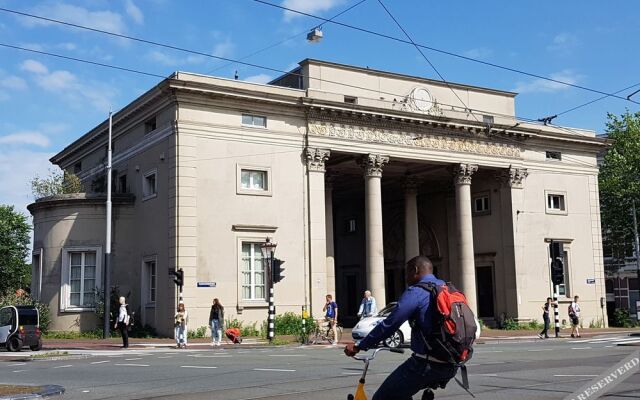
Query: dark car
{"points": [[20, 327]]}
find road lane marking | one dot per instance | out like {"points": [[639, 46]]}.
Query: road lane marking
{"points": [[132, 359], [100, 362], [274, 370], [16, 364], [63, 366], [540, 350], [286, 355], [20, 370], [203, 356], [132, 365], [580, 348], [165, 357], [491, 351], [352, 373], [581, 376], [196, 366]]}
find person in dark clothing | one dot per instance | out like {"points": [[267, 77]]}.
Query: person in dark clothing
{"points": [[122, 322], [545, 316], [421, 370], [216, 322]]}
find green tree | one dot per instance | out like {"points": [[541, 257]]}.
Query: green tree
{"points": [[14, 249], [57, 182], [620, 183]]}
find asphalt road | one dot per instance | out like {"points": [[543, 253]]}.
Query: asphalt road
{"points": [[549, 369]]}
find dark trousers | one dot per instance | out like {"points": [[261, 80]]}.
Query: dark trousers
{"points": [[122, 327], [414, 375], [546, 325]]}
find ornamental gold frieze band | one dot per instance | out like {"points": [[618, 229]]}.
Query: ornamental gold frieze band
{"points": [[435, 142]]}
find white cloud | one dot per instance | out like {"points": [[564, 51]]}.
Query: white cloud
{"points": [[13, 82], [564, 42], [308, 6], [134, 12], [103, 20], [15, 189], [67, 46], [260, 78], [545, 86], [32, 46], [479, 53], [224, 49], [25, 137], [34, 66], [165, 59], [66, 85]]}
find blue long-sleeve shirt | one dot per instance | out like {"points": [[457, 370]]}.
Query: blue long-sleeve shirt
{"points": [[413, 304]]}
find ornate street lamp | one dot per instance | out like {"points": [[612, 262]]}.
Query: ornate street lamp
{"points": [[268, 250]]}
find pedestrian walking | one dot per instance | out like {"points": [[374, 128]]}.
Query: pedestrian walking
{"points": [[216, 322], [574, 315], [122, 322], [181, 322], [545, 317], [367, 306]]}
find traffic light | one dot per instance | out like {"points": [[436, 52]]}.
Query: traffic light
{"points": [[179, 278], [277, 270], [557, 263]]}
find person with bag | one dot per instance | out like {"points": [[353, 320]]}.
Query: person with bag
{"points": [[122, 322], [430, 366], [574, 315], [367, 306], [545, 317], [181, 319], [216, 322]]}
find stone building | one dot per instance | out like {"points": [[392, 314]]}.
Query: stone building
{"points": [[351, 171]]}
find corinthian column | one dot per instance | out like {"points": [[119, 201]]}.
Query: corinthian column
{"points": [[466, 258], [411, 232], [372, 165], [316, 159]]}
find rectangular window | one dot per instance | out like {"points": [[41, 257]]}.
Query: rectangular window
{"points": [[350, 99], [350, 225], [554, 155], [151, 274], [253, 274], [36, 275], [254, 120], [487, 119], [82, 279], [122, 184], [150, 125], [253, 180], [556, 202], [149, 185], [481, 205]]}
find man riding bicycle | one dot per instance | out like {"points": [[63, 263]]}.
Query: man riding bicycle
{"points": [[331, 316], [421, 371]]}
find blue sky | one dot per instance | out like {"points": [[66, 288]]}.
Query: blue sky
{"points": [[46, 103]]}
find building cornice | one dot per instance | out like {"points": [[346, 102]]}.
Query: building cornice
{"points": [[78, 199]]}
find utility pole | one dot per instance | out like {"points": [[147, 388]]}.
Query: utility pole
{"points": [[107, 252]]}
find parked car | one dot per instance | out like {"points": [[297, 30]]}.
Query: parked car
{"points": [[20, 327], [399, 337]]}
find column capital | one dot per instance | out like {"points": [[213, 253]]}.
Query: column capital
{"points": [[373, 163], [316, 158], [513, 177], [462, 173], [410, 184]]}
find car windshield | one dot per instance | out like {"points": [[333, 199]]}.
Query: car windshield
{"points": [[387, 310], [28, 317]]}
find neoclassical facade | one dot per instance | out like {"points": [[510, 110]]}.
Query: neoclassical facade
{"points": [[351, 171]]}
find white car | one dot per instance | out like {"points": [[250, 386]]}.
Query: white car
{"points": [[399, 337]]}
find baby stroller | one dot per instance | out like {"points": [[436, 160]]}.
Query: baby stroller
{"points": [[234, 335]]}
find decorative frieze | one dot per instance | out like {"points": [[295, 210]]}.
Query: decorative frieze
{"points": [[372, 164], [462, 173], [513, 177], [430, 141], [316, 159]]}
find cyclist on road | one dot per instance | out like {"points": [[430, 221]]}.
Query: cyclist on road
{"points": [[421, 370], [331, 316]]}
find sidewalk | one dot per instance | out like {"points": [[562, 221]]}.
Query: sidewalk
{"points": [[500, 334]]}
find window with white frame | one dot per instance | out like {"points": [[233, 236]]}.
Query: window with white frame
{"points": [[36, 274], [254, 180], [254, 120], [481, 204], [556, 202], [150, 185], [81, 275], [252, 270], [151, 273]]}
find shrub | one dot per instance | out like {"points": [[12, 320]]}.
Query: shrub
{"points": [[95, 334], [533, 325], [146, 331], [596, 323], [249, 330], [621, 318], [198, 333], [12, 299], [510, 324]]}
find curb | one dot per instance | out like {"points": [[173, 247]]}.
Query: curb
{"points": [[47, 391]]}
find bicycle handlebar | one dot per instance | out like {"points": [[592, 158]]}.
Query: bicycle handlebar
{"points": [[367, 357]]}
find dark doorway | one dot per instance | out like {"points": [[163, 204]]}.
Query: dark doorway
{"points": [[349, 293], [484, 283]]}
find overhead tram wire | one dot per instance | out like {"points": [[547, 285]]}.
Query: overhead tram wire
{"points": [[287, 39], [425, 57], [595, 100], [530, 74]]}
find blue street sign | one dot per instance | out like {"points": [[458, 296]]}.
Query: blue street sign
{"points": [[591, 281], [206, 284]]}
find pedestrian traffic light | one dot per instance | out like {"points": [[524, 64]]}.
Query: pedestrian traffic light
{"points": [[179, 278], [277, 270]]}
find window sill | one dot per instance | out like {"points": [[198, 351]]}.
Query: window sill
{"points": [[254, 126], [77, 310], [253, 304], [150, 305], [556, 212], [253, 192], [149, 197]]}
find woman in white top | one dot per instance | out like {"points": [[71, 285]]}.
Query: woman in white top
{"points": [[574, 314], [181, 320], [122, 322]]}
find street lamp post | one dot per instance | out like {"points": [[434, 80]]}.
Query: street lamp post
{"points": [[268, 250]]}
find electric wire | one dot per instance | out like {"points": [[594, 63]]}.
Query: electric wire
{"points": [[444, 51]]}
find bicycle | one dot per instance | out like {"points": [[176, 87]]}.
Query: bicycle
{"points": [[324, 333], [366, 358]]}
